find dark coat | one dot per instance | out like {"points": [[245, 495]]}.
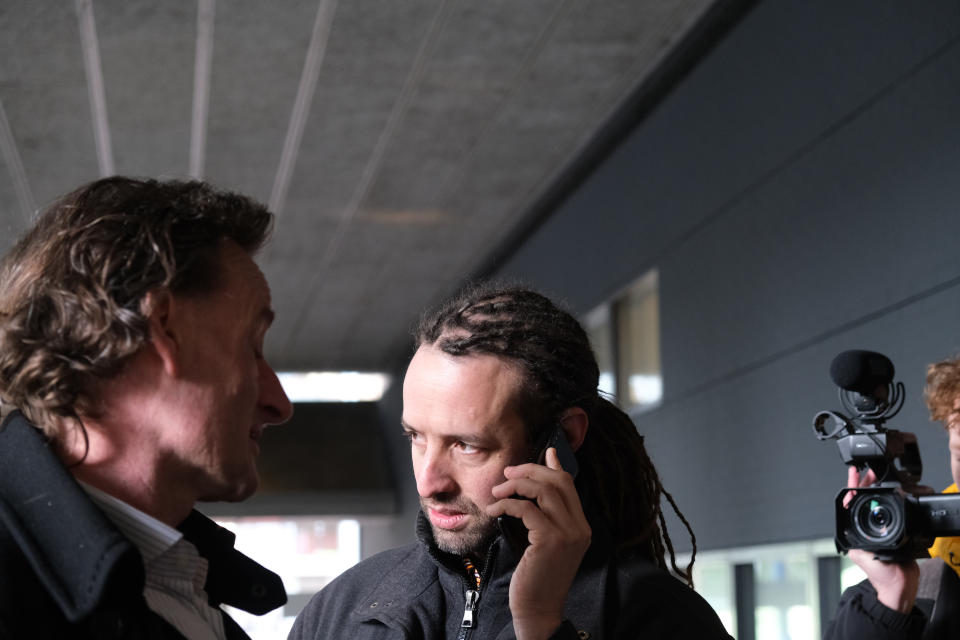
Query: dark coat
{"points": [[936, 615], [417, 592], [67, 572]]}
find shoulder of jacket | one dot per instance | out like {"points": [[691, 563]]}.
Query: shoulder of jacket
{"points": [[394, 570], [394, 565]]}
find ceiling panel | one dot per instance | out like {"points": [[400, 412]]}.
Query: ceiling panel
{"points": [[257, 63], [45, 97], [400, 143], [147, 54]]}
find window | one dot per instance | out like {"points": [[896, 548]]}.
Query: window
{"points": [[600, 332], [625, 336], [786, 596], [850, 574], [639, 381], [782, 581], [713, 578]]}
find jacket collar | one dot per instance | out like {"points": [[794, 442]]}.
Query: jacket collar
{"points": [[423, 573], [408, 594], [232, 577], [498, 550], [90, 562]]}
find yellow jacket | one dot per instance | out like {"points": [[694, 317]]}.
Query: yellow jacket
{"points": [[948, 548]]}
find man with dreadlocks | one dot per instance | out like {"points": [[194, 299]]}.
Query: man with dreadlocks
{"points": [[494, 370]]}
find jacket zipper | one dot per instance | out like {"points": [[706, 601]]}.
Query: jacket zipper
{"points": [[469, 608], [472, 597]]}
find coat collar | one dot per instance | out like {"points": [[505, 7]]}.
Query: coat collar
{"points": [[407, 593], [90, 562], [410, 591]]}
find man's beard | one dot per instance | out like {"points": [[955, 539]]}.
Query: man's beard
{"points": [[469, 541]]}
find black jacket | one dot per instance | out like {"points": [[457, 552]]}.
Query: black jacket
{"points": [[67, 572], [418, 592], [936, 615]]}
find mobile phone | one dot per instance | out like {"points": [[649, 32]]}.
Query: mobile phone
{"points": [[512, 528]]}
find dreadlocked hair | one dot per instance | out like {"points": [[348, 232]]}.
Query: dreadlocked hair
{"points": [[617, 479]]}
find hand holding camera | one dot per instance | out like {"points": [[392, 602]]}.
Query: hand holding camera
{"points": [[896, 582], [883, 510]]}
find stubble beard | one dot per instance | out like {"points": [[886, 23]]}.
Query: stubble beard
{"points": [[471, 540]]}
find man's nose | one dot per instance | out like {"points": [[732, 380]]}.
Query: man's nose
{"points": [[273, 401], [434, 475]]}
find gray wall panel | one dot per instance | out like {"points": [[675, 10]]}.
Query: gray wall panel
{"points": [[798, 193], [741, 458], [862, 221], [782, 79]]}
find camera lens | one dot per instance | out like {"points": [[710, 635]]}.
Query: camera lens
{"points": [[878, 517]]}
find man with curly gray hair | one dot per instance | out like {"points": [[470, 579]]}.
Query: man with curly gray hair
{"points": [[132, 376]]}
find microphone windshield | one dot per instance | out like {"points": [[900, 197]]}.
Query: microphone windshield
{"points": [[861, 371]]}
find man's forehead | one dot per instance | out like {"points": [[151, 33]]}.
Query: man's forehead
{"points": [[483, 388], [244, 275], [475, 372]]}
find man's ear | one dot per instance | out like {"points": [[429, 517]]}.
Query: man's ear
{"points": [[159, 306], [575, 423]]}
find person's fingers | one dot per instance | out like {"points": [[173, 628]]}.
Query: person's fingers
{"points": [[533, 517], [553, 460], [853, 477], [853, 481], [553, 475], [856, 480]]}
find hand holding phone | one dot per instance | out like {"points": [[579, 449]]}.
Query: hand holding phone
{"points": [[512, 528], [558, 537]]}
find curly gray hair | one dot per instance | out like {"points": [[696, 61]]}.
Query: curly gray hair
{"points": [[72, 288]]}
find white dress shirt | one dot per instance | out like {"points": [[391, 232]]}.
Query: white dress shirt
{"points": [[175, 572]]}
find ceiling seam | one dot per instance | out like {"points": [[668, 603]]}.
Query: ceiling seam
{"points": [[201, 86], [98, 101], [372, 168], [302, 103], [18, 174]]}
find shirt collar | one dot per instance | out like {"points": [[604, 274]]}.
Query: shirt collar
{"points": [[149, 535]]}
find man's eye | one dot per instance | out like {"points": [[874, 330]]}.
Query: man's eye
{"points": [[466, 447]]}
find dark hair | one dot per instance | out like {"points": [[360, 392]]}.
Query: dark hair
{"points": [[617, 479], [72, 288]]}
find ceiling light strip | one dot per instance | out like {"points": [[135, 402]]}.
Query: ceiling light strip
{"points": [[18, 175], [301, 105], [372, 168], [333, 386], [98, 100], [201, 86]]}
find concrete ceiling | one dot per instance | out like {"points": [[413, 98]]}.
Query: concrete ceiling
{"points": [[400, 142]]}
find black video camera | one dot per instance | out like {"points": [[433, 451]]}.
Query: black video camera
{"points": [[892, 517]]}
